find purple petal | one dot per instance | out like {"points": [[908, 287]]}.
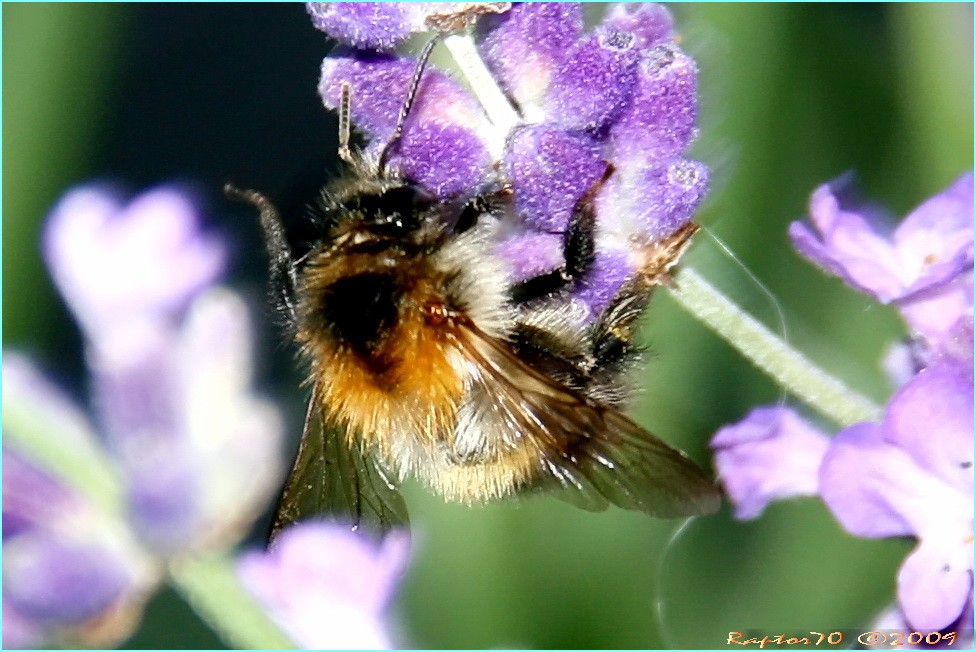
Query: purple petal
{"points": [[925, 253], [769, 455], [524, 46], [859, 479], [550, 170], [531, 253], [937, 237], [939, 313], [603, 280], [931, 418], [591, 86], [379, 86], [54, 580], [198, 449], [846, 244], [117, 265], [647, 203], [233, 434], [368, 25], [650, 23], [659, 121], [876, 489], [934, 587], [446, 159], [19, 631], [961, 629], [31, 497], [384, 25], [327, 586]]}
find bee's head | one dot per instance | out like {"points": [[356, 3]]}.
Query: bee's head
{"points": [[390, 208]]}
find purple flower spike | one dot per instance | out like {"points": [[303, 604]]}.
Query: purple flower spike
{"points": [[327, 587], [592, 84], [771, 454], [660, 119], [446, 159], [119, 266], [551, 170], [368, 25], [524, 47], [379, 85], [531, 253], [650, 203], [600, 285], [913, 475], [650, 23]]}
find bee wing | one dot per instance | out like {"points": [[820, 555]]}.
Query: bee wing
{"points": [[593, 451], [333, 480]]}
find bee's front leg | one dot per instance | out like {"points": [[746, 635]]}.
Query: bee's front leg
{"points": [[579, 249]]}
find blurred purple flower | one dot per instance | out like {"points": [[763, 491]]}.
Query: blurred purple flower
{"points": [[770, 455], [623, 94], [70, 574], [124, 269], [924, 267], [326, 586], [170, 362], [910, 475], [958, 635], [170, 358]]}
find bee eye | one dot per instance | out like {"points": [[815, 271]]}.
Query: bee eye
{"points": [[396, 209]]}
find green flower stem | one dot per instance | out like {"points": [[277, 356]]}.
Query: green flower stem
{"points": [[207, 582], [210, 585], [787, 366]]}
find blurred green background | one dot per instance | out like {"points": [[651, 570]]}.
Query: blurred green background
{"points": [[792, 95]]}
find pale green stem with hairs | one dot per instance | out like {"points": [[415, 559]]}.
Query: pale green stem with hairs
{"points": [[790, 368]]}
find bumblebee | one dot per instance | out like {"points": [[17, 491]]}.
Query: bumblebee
{"points": [[425, 360]]}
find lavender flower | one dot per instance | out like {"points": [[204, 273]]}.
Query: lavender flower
{"points": [[69, 574], [326, 586], [925, 267], [383, 25], [770, 455], [196, 450], [912, 473], [622, 95]]}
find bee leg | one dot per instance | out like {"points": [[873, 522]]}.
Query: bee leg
{"points": [[483, 204], [579, 249], [283, 281]]}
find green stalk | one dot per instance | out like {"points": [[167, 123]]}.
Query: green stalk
{"points": [[790, 368], [209, 584]]}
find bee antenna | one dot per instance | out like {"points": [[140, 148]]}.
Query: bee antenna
{"points": [[344, 123], [407, 103]]}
